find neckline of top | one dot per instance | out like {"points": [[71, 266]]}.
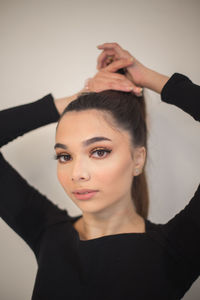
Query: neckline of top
{"points": [[111, 236]]}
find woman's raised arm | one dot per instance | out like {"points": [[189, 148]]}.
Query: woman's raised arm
{"points": [[137, 72], [182, 92], [178, 89], [22, 207], [18, 120]]}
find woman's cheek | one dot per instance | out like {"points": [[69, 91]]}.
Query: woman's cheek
{"points": [[101, 171], [116, 171], [61, 174]]}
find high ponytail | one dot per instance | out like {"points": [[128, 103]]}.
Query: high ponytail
{"points": [[140, 195], [129, 113], [139, 189]]}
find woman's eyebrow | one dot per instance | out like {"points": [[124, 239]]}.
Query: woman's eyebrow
{"points": [[86, 142], [95, 139]]}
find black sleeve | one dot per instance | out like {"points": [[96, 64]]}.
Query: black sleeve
{"points": [[180, 91], [182, 239], [21, 119], [182, 233], [22, 207]]}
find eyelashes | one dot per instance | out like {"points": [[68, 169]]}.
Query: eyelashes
{"points": [[64, 157], [101, 150], [59, 156]]}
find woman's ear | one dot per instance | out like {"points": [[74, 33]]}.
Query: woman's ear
{"points": [[139, 158]]}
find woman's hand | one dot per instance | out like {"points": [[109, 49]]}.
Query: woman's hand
{"points": [[113, 52], [108, 79], [136, 72], [105, 79]]}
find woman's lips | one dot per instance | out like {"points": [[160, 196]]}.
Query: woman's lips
{"points": [[84, 195]]}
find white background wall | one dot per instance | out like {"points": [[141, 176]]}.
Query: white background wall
{"points": [[50, 46]]}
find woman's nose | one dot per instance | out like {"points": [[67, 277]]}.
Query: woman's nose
{"points": [[80, 171]]}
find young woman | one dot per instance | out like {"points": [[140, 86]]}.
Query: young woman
{"points": [[111, 251]]}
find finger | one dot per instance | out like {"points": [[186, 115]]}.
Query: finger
{"points": [[103, 74], [120, 86], [126, 84], [112, 81], [131, 86], [119, 64], [107, 80], [112, 85], [138, 91], [101, 60], [108, 46]]}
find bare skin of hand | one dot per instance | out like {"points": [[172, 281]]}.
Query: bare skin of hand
{"points": [[107, 78], [113, 58], [137, 72], [112, 51]]}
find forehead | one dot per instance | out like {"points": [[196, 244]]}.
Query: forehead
{"points": [[80, 125]]}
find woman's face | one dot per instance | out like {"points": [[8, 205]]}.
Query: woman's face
{"points": [[105, 165]]}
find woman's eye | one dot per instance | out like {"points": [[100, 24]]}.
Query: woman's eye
{"points": [[62, 157], [97, 153], [101, 152]]}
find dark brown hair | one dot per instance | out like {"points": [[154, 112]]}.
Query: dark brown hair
{"points": [[129, 113]]}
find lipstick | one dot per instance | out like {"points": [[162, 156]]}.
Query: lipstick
{"points": [[84, 194]]}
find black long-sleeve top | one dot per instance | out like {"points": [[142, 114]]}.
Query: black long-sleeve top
{"points": [[161, 263]]}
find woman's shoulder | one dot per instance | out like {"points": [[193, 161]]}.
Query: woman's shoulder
{"points": [[181, 234]]}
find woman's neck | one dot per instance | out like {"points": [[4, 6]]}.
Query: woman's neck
{"points": [[92, 226]]}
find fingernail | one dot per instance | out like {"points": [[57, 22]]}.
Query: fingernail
{"points": [[130, 88], [139, 90]]}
